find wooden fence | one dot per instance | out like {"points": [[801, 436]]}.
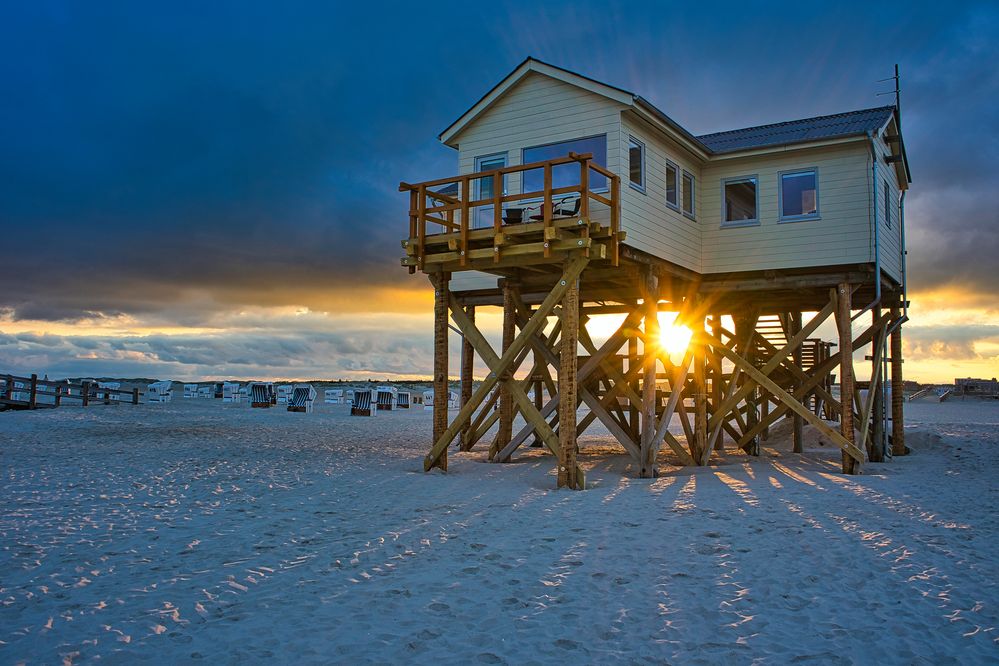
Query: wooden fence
{"points": [[24, 393]]}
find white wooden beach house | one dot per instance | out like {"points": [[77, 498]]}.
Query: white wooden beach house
{"points": [[577, 194]]}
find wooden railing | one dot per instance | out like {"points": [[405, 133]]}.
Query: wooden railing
{"points": [[453, 213], [23, 393]]}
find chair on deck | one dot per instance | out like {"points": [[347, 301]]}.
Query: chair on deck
{"points": [[364, 404], [302, 398], [565, 208]]}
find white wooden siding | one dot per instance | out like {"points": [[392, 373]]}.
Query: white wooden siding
{"points": [[652, 225], [890, 231], [841, 235]]}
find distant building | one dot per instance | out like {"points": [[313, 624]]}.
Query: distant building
{"points": [[971, 386]]}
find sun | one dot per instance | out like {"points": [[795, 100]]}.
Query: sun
{"points": [[675, 338]]}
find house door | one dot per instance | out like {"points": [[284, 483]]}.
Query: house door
{"points": [[484, 188]]}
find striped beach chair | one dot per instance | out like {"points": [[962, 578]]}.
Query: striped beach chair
{"points": [[402, 399], [365, 403], [302, 398], [386, 398], [261, 395]]}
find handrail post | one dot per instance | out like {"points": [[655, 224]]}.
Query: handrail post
{"points": [[421, 223], [412, 221], [33, 393], [584, 201], [135, 396], [546, 208], [615, 218], [466, 188]]}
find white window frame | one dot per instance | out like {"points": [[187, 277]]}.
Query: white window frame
{"points": [[641, 146], [781, 217], [692, 213], [676, 185], [598, 190], [755, 221], [483, 215]]}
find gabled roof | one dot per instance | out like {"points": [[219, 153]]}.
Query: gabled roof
{"points": [[797, 131], [821, 128], [619, 95]]}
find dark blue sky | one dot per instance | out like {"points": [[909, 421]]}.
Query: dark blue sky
{"points": [[196, 157]]}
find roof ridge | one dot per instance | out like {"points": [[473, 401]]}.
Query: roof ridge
{"points": [[799, 120]]}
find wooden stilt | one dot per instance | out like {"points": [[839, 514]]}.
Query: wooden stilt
{"points": [[844, 295], [569, 474], [699, 450], [505, 399], [876, 451], [633, 408], [440, 363], [716, 383], [467, 367], [797, 424], [85, 394], [650, 294], [897, 390]]}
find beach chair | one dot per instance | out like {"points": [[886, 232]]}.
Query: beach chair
{"points": [[302, 398], [386, 398], [232, 393], [428, 400], [334, 396], [190, 390], [365, 403], [350, 397], [284, 392], [159, 392], [261, 395], [402, 400], [206, 392]]}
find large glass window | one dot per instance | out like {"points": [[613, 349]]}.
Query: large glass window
{"points": [[739, 195], [672, 185], [636, 163], [688, 193], [565, 175], [799, 195]]}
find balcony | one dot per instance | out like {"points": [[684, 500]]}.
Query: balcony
{"points": [[470, 222]]}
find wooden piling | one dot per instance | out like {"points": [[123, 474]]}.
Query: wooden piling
{"points": [[650, 294], [569, 474], [844, 293], [897, 390], [505, 431], [467, 367], [876, 452], [33, 393], [797, 424], [85, 394], [440, 361]]}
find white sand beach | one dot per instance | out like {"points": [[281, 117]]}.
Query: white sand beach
{"points": [[196, 531]]}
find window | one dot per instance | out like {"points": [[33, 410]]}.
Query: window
{"points": [[887, 205], [799, 195], [636, 163], [688, 194], [739, 197], [672, 185], [565, 175], [483, 188]]}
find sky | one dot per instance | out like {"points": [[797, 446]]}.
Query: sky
{"points": [[210, 190]]}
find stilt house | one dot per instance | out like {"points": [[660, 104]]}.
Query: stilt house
{"points": [[573, 198]]}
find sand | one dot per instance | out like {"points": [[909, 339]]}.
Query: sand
{"points": [[197, 531]]}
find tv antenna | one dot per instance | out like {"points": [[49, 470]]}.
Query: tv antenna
{"points": [[896, 92]]}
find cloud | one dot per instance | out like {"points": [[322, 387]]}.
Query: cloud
{"points": [[961, 342]]}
